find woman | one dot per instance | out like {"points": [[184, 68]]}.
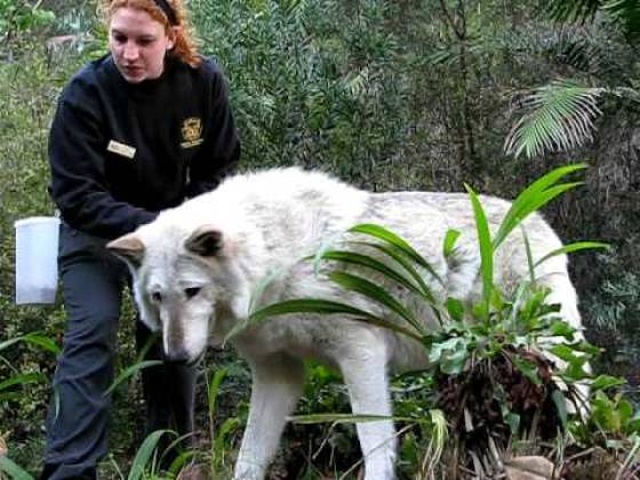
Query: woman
{"points": [[135, 132]]}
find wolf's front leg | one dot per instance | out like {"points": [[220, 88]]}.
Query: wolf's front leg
{"points": [[277, 386], [364, 372]]}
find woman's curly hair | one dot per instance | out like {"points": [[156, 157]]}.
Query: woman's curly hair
{"points": [[185, 45]]}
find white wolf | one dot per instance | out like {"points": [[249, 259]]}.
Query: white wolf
{"points": [[196, 265]]}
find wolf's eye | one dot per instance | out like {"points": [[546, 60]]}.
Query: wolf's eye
{"points": [[191, 292], [156, 296]]}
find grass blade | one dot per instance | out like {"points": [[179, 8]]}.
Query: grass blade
{"points": [[22, 379], [145, 455], [571, 248], [340, 418], [130, 372], [42, 341], [214, 388]]}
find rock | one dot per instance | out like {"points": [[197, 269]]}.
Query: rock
{"points": [[529, 468]]}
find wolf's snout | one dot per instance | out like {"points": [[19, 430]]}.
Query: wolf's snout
{"points": [[177, 355]]}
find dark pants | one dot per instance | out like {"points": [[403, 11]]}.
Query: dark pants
{"points": [[93, 281]]}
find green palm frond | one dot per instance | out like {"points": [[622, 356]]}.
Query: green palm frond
{"points": [[581, 11], [559, 116], [625, 13]]}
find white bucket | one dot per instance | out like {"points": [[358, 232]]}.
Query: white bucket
{"points": [[37, 259]]}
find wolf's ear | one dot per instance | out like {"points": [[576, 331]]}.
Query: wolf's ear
{"points": [[129, 248], [205, 241]]}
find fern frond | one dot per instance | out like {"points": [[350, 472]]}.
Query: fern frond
{"points": [[559, 116]]}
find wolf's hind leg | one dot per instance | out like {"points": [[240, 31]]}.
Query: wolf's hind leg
{"points": [[277, 386], [364, 372]]}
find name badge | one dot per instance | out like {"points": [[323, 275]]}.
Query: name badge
{"points": [[121, 149]]}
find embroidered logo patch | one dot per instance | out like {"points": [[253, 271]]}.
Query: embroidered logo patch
{"points": [[191, 132], [121, 149]]}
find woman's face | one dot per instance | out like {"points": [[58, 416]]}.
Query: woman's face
{"points": [[138, 44]]}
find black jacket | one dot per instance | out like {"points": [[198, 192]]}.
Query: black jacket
{"points": [[120, 152]]}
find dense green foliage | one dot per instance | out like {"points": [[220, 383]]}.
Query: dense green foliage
{"points": [[387, 95]]}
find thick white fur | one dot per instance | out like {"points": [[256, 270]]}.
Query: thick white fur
{"points": [[268, 221]]}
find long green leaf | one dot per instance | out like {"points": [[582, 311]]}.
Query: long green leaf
{"points": [[530, 264], [526, 208], [485, 246], [407, 265], [130, 372], [14, 471], [145, 455], [374, 264], [323, 307], [34, 338], [221, 439], [303, 305], [388, 236], [214, 388], [22, 379], [560, 403], [376, 293], [340, 418], [449, 243], [543, 183], [42, 341], [603, 382], [178, 462], [533, 198], [391, 238], [571, 248]]}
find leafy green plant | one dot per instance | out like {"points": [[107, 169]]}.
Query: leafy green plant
{"points": [[19, 16], [613, 420], [10, 389], [220, 437], [8, 386]]}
